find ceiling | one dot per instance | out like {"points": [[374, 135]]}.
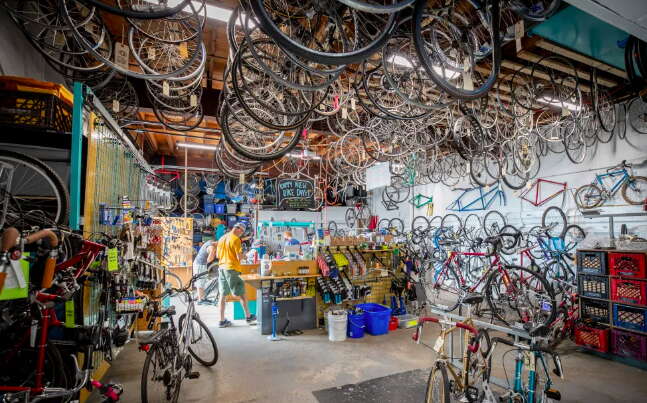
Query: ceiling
{"points": [[628, 15]]}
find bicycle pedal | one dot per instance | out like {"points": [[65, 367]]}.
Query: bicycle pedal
{"points": [[193, 375], [553, 394]]}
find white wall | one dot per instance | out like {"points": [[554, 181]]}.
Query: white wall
{"points": [[556, 167], [18, 57]]}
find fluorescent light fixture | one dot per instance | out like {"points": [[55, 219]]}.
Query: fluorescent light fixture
{"points": [[213, 12], [196, 145], [402, 61], [304, 156], [555, 102]]}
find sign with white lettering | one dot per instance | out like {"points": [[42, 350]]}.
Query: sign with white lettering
{"points": [[295, 194]]}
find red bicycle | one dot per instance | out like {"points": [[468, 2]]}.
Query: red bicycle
{"points": [[33, 367], [513, 293]]}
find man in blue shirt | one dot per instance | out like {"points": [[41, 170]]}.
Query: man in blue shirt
{"points": [[289, 240]]}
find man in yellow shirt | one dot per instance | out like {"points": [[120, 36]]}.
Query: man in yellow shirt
{"points": [[229, 253]]}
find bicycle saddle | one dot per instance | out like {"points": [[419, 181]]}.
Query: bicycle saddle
{"points": [[539, 331], [473, 299]]}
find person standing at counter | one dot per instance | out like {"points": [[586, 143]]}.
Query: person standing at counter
{"points": [[229, 252], [205, 256], [289, 239]]}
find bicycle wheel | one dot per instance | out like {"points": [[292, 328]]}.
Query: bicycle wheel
{"points": [[478, 370], [419, 224], [202, 346], [442, 286], [493, 222], [157, 383], [351, 218], [588, 196], [452, 223], [557, 271], [555, 219], [634, 190], [437, 385], [35, 187], [472, 226], [509, 239], [573, 235], [517, 294]]}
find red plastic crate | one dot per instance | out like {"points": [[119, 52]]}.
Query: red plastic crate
{"points": [[629, 344], [595, 338], [627, 264], [627, 290]]}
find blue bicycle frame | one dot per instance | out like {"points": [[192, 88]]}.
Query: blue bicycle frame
{"points": [[529, 391], [599, 180], [482, 202]]}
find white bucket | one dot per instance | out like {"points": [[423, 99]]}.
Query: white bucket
{"points": [[337, 322]]}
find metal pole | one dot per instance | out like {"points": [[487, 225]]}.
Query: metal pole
{"points": [[186, 177], [75, 157]]}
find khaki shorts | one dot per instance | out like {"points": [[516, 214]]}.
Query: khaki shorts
{"points": [[229, 282]]}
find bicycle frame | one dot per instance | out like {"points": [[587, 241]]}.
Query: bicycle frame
{"points": [[495, 264], [599, 180], [530, 391], [538, 199], [83, 259], [482, 202]]}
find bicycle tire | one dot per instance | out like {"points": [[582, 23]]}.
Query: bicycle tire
{"points": [[205, 329], [482, 339], [471, 230], [376, 8], [155, 348], [433, 293], [442, 387], [578, 235], [632, 181], [58, 186], [493, 213], [356, 56], [557, 270], [445, 220], [427, 62], [490, 295], [580, 196], [559, 228], [139, 15]]}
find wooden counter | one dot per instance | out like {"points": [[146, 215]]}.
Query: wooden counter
{"points": [[250, 291]]}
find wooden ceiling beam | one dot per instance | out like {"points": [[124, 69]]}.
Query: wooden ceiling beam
{"points": [[584, 75], [527, 70], [559, 50]]}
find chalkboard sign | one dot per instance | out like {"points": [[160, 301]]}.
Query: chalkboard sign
{"points": [[295, 194]]}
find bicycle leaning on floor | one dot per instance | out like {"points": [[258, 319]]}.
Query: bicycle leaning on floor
{"points": [[169, 351]]}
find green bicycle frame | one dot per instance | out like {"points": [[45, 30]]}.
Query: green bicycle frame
{"points": [[530, 391]]}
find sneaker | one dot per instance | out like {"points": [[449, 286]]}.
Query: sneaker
{"points": [[251, 318], [224, 323]]}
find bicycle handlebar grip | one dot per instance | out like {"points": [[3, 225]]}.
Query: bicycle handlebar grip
{"points": [[427, 319], [504, 341], [9, 238], [469, 328], [48, 273], [53, 239]]}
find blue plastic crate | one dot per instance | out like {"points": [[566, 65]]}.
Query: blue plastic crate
{"points": [[377, 318], [630, 317], [208, 209]]}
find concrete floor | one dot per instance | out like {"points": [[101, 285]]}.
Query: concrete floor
{"points": [[253, 369]]}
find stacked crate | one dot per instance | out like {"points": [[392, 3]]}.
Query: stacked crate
{"points": [[613, 302]]}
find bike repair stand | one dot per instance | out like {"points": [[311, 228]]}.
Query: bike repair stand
{"points": [[275, 318]]}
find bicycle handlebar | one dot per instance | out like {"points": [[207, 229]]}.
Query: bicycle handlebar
{"points": [[469, 328]]}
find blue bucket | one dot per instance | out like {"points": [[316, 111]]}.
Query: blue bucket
{"points": [[356, 325], [377, 318]]}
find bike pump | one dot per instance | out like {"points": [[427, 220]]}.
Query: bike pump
{"points": [[275, 317]]}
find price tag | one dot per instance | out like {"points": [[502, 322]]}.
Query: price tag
{"points": [[241, 179], [113, 259], [519, 32], [122, 55], [166, 89], [353, 104], [344, 113], [115, 105], [565, 112], [193, 100], [69, 314], [468, 83], [440, 341], [151, 53]]}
